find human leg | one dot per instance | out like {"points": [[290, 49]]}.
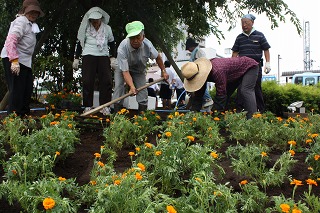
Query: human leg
{"points": [[105, 79], [139, 80], [89, 68], [258, 92], [119, 89], [247, 86]]}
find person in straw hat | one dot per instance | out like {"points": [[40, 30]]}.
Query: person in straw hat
{"points": [[17, 57], [228, 74]]}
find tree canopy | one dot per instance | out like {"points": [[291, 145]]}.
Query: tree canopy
{"points": [[164, 20]]}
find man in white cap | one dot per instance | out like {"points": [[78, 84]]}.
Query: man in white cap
{"points": [[252, 43], [228, 74], [133, 54]]}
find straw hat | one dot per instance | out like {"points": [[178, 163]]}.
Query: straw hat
{"points": [[196, 74]]}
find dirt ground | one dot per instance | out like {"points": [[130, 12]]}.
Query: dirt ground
{"points": [[79, 164]]}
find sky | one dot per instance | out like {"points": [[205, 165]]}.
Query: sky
{"points": [[284, 40]]}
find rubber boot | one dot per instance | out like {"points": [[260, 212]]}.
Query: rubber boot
{"points": [[142, 108]]}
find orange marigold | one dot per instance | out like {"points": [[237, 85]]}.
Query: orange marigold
{"points": [[48, 203], [317, 157], [285, 207], [168, 134], [214, 155], [171, 209], [97, 155], [244, 182], [191, 138], [62, 179], [296, 182], [141, 166], [311, 182], [138, 176], [131, 153]]}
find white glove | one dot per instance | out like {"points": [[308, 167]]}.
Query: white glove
{"points": [[75, 64], [15, 68], [267, 68], [113, 63]]}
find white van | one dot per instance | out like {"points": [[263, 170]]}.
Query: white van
{"points": [[306, 79]]}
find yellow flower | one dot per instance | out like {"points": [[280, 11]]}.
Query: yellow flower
{"points": [[149, 145], [117, 182], [141, 166], [137, 149], [176, 113], [311, 182], [264, 154], [97, 155], [145, 118], [168, 134], [170, 116], [292, 152], [296, 182], [48, 203], [171, 209], [191, 138], [296, 210], [131, 154], [285, 207], [93, 182], [57, 153], [308, 141], [293, 143], [157, 153], [244, 182], [100, 164], [314, 135], [70, 126], [216, 119], [194, 119], [138, 176], [214, 155], [62, 179]]}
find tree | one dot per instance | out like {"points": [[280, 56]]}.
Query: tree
{"points": [[164, 21]]}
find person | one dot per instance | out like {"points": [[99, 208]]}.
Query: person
{"points": [[196, 53], [167, 86], [153, 90], [97, 46], [17, 57], [225, 73], [133, 54], [252, 43], [181, 94]]}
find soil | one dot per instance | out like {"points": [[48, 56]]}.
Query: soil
{"points": [[79, 164]]}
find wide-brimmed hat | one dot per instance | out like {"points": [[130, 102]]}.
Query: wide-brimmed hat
{"points": [[32, 5], [134, 28], [196, 73], [95, 15]]}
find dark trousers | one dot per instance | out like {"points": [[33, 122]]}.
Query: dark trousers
{"points": [[20, 88], [258, 92], [100, 65]]}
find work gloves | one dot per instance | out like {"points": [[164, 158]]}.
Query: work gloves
{"points": [[75, 64], [267, 68], [15, 67], [113, 63]]}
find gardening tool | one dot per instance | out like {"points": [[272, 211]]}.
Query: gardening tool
{"points": [[120, 98]]}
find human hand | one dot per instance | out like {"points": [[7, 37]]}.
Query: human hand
{"points": [[267, 68], [15, 67], [75, 64], [165, 75], [113, 63], [133, 90]]}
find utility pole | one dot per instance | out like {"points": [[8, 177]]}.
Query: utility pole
{"points": [[279, 68], [306, 46]]}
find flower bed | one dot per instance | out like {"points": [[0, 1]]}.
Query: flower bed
{"points": [[186, 163]]}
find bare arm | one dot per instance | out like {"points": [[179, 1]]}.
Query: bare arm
{"points": [[267, 55], [161, 65], [128, 79]]}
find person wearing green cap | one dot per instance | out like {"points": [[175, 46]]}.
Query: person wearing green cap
{"points": [[133, 54]]}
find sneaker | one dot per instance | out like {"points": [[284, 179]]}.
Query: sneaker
{"points": [[208, 102], [106, 111], [86, 109]]}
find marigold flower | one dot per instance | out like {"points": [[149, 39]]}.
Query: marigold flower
{"points": [[93, 182], [131, 154], [138, 176], [137, 149], [97, 155], [117, 182], [168, 134], [244, 182], [43, 116], [48, 203], [107, 120], [292, 152], [314, 135], [285, 207], [296, 182], [317, 157], [310, 168], [264, 154], [216, 119], [176, 113], [311, 182], [293, 143], [191, 138], [157, 153], [149, 145], [170, 116], [198, 179], [158, 117], [61, 178], [296, 210], [144, 118], [141, 166], [194, 119], [100, 164], [14, 171], [57, 153], [214, 155], [308, 141], [171, 209], [70, 126]]}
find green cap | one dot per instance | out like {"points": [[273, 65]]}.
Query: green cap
{"points": [[134, 28]]}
